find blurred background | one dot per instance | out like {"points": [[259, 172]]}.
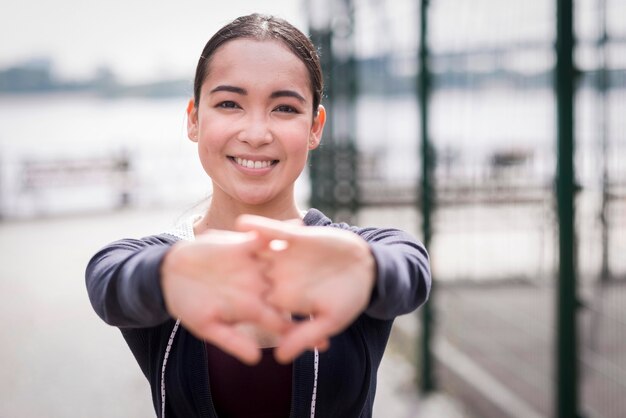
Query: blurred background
{"points": [[493, 131]]}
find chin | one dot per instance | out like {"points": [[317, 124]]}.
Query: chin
{"points": [[255, 200]]}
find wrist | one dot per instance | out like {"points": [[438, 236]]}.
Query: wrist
{"points": [[368, 262], [169, 266]]}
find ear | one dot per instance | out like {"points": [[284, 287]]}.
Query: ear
{"points": [[317, 128], [192, 121]]}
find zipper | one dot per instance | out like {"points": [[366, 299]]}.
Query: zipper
{"points": [[205, 363], [293, 389], [298, 364]]}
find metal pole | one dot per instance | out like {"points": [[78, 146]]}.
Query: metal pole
{"points": [[427, 381], [321, 169], [604, 132], [333, 166], [566, 342]]}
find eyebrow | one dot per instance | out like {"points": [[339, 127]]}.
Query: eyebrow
{"points": [[288, 93], [274, 95], [231, 89]]}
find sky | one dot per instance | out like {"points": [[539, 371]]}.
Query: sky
{"points": [[140, 40], [146, 40]]}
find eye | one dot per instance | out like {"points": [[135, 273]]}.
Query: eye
{"points": [[227, 104], [286, 109]]}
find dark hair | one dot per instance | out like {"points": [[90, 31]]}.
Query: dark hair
{"points": [[262, 28]]}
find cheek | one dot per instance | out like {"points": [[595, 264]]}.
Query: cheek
{"points": [[207, 151], [298, 142], [210, 148], [205, 155], [212, 134]]}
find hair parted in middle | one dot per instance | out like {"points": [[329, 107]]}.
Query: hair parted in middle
{"points": [[262, 28]]}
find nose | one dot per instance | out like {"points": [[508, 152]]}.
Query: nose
{"points": [[255, 130]]}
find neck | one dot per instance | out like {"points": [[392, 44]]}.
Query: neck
{"points": [[223, 212]]}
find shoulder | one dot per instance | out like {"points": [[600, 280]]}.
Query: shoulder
{"points": [[182, 230], [155, 244], [315, 217], [163, 239], [152, 247]]}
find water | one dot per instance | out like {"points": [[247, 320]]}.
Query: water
{"points": [[44, 128]]}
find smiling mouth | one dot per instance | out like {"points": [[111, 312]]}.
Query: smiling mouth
{"points": [[253, 164]]}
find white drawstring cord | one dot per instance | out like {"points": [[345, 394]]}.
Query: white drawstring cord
{"points": [[167, 354], [316, 362]]}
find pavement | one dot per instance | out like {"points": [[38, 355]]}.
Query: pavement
{"points": [[397, 393], [495, 351]]}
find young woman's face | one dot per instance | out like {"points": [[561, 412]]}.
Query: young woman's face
{"points": [[254, 124]]}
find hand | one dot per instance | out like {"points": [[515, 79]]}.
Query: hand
{"points": [[214, 284], [325, 273]]}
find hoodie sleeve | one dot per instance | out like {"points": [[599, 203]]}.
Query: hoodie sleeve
{"points": [[403, 279], [123, 282]]}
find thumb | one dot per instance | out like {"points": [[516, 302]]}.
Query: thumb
{"points": [[268, 229], [304, 336]]}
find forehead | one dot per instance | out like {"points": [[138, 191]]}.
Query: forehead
{"points": [[257, 63]]}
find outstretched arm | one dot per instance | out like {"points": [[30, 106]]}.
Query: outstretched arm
{"points": [[211, 284], [123, 282]]}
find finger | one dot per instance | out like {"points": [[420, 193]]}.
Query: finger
{"points": [[225, 237], [255, 244], [323, 345], [248, 243], [256, 311], [273, 321], [266, 249], [287, 296], [233, 342], [269, 229], [272, 250], [271, 245], [306, 335]]}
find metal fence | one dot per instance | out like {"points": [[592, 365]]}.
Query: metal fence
{"points": [[464, 130]]}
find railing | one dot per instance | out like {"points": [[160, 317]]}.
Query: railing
{"points": [[41, 186], [526, 248]]}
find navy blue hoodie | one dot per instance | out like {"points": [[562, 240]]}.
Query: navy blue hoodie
{"points": [[123, 282]]}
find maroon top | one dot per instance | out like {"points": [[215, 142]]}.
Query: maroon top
{"points": [[239, 390]]}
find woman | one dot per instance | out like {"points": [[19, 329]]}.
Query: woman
{"points": [[242, 311]]}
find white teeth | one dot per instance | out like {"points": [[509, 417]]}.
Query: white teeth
{"points": [[252, 164]]}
